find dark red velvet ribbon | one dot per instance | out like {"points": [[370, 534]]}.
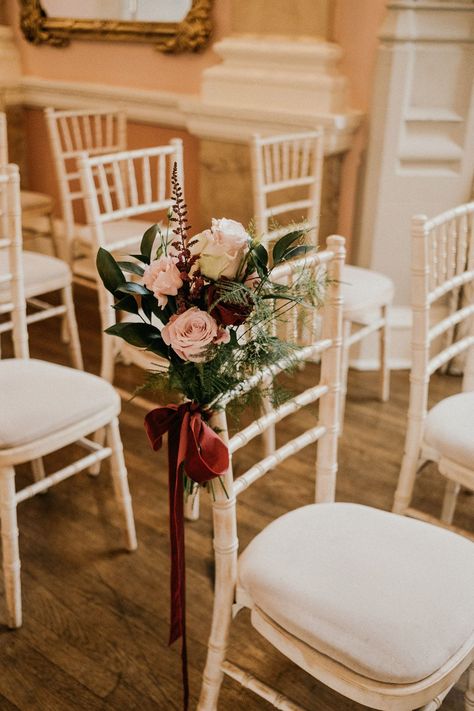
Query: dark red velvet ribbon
{"points": [[194, 446]]}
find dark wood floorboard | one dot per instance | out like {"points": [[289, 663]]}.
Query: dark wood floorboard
{"points": [[96, 618]]}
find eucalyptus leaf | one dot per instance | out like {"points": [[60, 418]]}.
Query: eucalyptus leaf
{"points": [[131, 287], [128, 304], [298, 251], [131, 268], [148, 241], [142, 335], [283, 243], [109, 270], [141, 258], [260, 254], [147, 306]]}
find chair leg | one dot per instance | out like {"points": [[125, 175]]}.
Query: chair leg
{"points": [[406, 482], [347, 328], [120, 481], [73, 333], [449, 501], [37, 466], [10, 550], [469, 696], [99, 438], [384, 336]]}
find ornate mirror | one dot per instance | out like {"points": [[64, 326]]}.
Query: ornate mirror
{"points": [[172, 26]]}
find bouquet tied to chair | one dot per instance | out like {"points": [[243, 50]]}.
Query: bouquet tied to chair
{"points": [[204, 304]]}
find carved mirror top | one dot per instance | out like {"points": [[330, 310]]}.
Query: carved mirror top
{"points": [[181, 25]]}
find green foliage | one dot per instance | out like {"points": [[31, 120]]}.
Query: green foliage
{"points": [[252, 346]]}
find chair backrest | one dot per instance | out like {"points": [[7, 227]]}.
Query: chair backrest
{"points": [[129, 184], [442, 297], [11, 263], [3, 139], [287, 177], [71, 133], [325, 432]]}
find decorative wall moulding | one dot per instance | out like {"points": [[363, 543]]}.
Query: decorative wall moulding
{"points": [[428, 21], [190, 112], [190, 34]]}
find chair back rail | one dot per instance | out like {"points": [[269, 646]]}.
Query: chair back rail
{"points": [[96, 132], [442, 266], [290, 163], [11, 264], [129, 183]]}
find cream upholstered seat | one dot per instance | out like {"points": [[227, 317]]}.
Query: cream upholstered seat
{"points": [[378, 607], [53, 396], [449, 429], [443, 328], [363, 586], [364, 290], [32, 202], [42, 274]]}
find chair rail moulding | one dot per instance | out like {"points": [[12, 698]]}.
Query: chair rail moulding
{"points": [[190, 34]]}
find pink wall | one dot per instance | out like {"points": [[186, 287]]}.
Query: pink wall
{"points": [[120, 63], [355, 29], [356, 25]]}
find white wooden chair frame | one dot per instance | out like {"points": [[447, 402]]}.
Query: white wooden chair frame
{"points": [[124, 190], [394, 697], [35, 449], [42, 205], [71, 133], [44, 309], [442, 265], [296, 161]]}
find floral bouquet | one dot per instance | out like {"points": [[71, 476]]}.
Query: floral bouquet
{"points": [[204, 304]]}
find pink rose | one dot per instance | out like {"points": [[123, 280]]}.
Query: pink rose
{"points": [[162, 278], [221, 249], [191, 332]]}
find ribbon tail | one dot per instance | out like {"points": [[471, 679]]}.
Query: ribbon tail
{"points": [[178, 573]]}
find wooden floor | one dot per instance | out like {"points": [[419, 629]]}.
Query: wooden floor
{"points": [[96, 618]]}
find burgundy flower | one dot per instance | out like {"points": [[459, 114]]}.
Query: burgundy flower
{"points": [[225, 313]]}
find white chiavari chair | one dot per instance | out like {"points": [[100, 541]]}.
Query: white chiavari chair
{"points": [[351, 594], [34, 205], [96, 132], [287, 177], [442, 269], [122, 186], [43, 275], [43, 408]]}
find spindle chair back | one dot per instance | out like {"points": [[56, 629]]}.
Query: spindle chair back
{"points": [[71, 133], [287, 173], [443, 328], [42, 275], [126, 185], [44, 407], [287, 178]]}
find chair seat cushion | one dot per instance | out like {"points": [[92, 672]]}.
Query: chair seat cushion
{"points": [[364, 290], [35, 202], [40, 398], [117, 231], [42, 274], [449, 429], [389, 597]]}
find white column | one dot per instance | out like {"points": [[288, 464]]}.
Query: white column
{"points": [[421, 145]]}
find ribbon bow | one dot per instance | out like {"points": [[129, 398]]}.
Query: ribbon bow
{"points": [[194, 446]]}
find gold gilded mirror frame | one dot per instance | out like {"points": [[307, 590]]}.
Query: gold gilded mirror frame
{"points": [[189, 35]]}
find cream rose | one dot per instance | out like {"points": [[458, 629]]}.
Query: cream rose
{"points": [[221, 248], [162, 278], [191, 332]]}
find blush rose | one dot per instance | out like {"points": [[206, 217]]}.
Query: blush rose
{"points": [[163, 279], [191, 332], [221, 249]]}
